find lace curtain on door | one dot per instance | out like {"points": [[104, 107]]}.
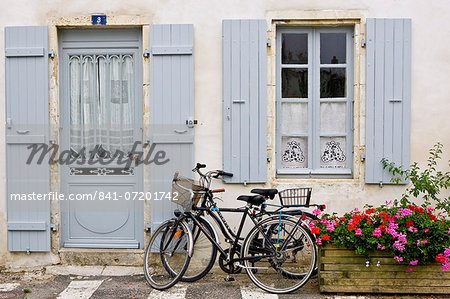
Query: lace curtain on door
{"points": [[101, 103]]}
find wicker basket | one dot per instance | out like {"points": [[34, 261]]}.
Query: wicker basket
{"points": [[295, 197], [186, 192]]}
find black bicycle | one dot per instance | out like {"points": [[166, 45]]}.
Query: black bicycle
{"points": [[278, 253]]}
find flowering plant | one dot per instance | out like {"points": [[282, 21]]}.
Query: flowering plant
{"points": [[413, 234], [410, 233]]}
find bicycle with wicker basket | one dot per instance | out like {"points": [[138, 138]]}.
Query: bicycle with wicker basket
{"points": [[278, 253]]}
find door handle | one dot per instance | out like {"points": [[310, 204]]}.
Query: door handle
{"points": [[180, 132], [23, 131]]}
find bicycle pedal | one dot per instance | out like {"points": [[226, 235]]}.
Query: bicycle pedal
{"points": [[229, 278]]}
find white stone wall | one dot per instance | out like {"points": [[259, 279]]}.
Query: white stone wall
{"points": [[430, 82]]}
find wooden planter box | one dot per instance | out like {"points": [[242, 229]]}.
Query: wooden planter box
{"points": [[343, 271]]}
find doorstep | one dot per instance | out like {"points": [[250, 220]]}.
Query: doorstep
{"points": [[101, 257], [93, 270]]}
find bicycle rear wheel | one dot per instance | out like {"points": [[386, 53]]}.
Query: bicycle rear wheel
{"points": [[279, 255], [171, 244]]}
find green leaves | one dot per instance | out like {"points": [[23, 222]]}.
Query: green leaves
{"points": [[426, 183]]}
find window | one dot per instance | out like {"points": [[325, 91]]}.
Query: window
{"points": [[314, 101]]}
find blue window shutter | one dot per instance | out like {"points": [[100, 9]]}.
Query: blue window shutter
{"points": [[171, 105], [388, 98], [26, 68], [244, 57]]}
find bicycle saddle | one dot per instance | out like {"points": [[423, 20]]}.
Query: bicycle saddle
{"points": [[252, 199], [270, 193]]}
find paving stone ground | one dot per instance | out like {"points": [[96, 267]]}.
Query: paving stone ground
{"points": [[38, 285]]}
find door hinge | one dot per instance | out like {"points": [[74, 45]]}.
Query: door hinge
{"points": [[51, 54], [363, 43], [146, 53]]}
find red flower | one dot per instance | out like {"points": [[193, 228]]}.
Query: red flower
{"points": [[383, 215], [315, 230], [326, 237], [351, 227], [382, 227], [431, 216], [409, 223], [370, 211], [342, 219], [440, 258]]}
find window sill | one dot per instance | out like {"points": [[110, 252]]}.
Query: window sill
{"points": [[315, 173]]}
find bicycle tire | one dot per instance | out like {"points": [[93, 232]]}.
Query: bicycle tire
{"points": [[270, 269], [204, 255], [161, 249]]}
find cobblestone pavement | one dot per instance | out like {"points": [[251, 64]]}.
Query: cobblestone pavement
{"points": [[37, 285]]}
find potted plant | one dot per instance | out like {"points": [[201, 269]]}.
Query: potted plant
{"points": [[397, 247]]}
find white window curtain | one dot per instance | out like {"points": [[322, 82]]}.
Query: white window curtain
{"points": [[101, 102]]}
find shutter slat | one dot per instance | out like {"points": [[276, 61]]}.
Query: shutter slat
{"points": [[388, 96], [26, 70], [244, 100]]}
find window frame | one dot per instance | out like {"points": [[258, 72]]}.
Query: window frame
{"points": [[314, 101]]}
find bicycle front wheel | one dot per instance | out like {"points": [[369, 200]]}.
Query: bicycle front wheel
{"points": [[171, 244], [279, 255]]}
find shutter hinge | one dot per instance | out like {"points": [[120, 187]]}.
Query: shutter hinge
{"points": [[363, 157], [146, 53], [148, 227], [269, 44], [28, 251], [363, 43], [53, 227], [51, 54], [268, 158], [381, 184]]}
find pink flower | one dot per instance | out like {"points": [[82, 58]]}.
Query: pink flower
{"points": [[413, 263], [447, 252], [409, 270], [449, 230], [358, 232], [388, 202], [377, 232], [324, 221], [319, 241], [424, 241], [429, 209], [418, 242], [398, 258], [426, 230], [316, 212], [412, 229], [380, 247], [445, 267]]}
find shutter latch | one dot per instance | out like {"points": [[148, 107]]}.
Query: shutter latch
{"points": [[363, 43], [51, 54], [146, 53]]}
